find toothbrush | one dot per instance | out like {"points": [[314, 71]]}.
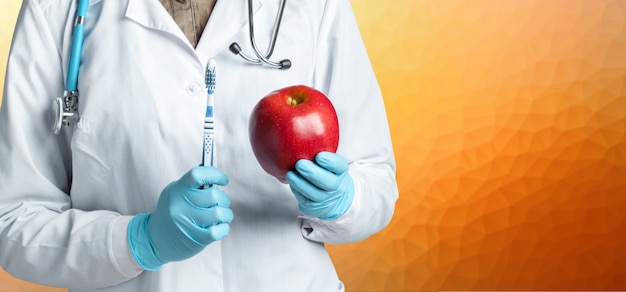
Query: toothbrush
{"points": [[208, 155]]}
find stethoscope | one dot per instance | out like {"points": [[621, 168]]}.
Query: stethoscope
{"points": [[66, 107], [236, 49]]}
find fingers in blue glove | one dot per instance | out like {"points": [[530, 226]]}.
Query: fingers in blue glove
{"points": [[202, 222], [202, 175], [187, 218], [196, 210], [209, 197], [321, 209], [326, 173], [332, 162], [322, 188]]}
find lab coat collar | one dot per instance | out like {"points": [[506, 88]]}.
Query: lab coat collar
{"points": [[152, 14], [228, 18]]}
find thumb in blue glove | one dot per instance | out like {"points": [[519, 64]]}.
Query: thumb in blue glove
{"points": [[187, 218], [324, 188]]}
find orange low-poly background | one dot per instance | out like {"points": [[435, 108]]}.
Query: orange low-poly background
{"points": [[509, 124]]}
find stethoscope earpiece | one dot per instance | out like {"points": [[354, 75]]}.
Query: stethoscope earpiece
{"points": [[234, 48], [65, 109], [285, 64]]}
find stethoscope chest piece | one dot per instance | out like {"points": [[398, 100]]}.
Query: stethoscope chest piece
{"points": [[65, 111]]}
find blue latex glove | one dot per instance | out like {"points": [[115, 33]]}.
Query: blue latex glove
{"points": [[187, 218], [323, 188]]}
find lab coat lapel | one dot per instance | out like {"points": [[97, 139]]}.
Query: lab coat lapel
{"points": [[228, 18], [151, 14]]}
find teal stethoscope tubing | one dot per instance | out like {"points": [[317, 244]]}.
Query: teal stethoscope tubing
{"points": [[66, 109], [71, 82]]}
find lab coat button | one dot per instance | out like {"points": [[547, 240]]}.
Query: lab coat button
{"points": [[194, 88]]}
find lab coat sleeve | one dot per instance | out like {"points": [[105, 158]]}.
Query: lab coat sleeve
{"points": [[344, 72], [42, 238]]}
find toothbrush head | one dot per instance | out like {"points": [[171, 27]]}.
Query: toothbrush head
{"points": [[209, 77]]}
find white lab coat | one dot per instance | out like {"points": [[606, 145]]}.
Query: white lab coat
{"points": [[65, 201]]}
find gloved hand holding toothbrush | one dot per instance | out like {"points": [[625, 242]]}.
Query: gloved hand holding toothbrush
{"points": [[187, 218]]}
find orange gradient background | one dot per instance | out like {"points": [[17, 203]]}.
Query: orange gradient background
{"points": [[509, 124]]}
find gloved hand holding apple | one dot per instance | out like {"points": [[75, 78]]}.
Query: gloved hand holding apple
{"points": [[323, 188], [294, 132]]}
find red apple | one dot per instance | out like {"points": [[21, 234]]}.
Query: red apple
{"points": [[290, 124]]}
